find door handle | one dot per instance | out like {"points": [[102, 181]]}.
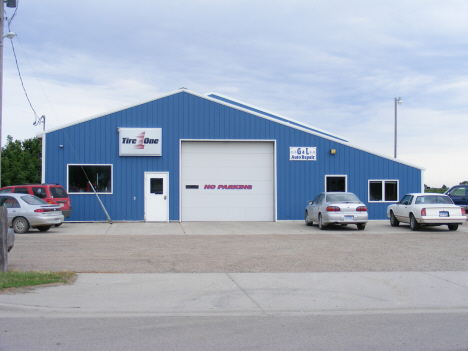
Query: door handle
{"points": [[165, 197]]}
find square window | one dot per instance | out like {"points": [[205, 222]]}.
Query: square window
{"points": [[383, 190], [335, 183], [156, 185], [80, 177], [375, 191], [391, 191]]}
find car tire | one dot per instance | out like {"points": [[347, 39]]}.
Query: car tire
{"points": [[361, 226], [58, 225], [320, 223], [393, 221], [307, 219], [44, 228], [453, 226], [414, 225], [20, 225]]}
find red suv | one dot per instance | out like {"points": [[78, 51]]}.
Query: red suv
{"points": [[51, 193]]}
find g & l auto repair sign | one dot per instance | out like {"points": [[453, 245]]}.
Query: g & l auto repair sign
{"points": [[302, 153], [140, 142]]}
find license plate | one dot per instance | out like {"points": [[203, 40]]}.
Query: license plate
{"points": [[348, 218], [57, 220], [443, 214]]}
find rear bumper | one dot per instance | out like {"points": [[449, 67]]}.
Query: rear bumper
{"points": [[67, 213], [339, 218], [38, 221], [442, 221]]}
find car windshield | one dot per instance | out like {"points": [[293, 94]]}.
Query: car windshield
{"points": [[433, 200], [58, 192], [33, 200], [342, 198]]}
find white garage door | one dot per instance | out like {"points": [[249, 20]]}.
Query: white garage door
{"points": [[227, 181]]}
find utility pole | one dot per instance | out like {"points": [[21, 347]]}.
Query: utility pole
{"points": [[397, 102], [10, 3], [3, 210], [2, 20]]}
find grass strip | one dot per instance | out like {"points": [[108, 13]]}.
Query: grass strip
{"points": [[24, 279]]}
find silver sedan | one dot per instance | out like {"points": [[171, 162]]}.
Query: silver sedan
{"points": [[336, 208], [28, 211]]}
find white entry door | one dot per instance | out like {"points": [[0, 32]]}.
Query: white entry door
{"points": [[156, 197]]}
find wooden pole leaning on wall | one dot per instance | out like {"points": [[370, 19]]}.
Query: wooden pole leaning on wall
{"points": [[3, 241]]}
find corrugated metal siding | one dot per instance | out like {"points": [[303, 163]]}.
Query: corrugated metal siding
{"points": [[187, 116]]}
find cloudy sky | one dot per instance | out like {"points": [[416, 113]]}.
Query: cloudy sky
{"points": [[336, 65]]}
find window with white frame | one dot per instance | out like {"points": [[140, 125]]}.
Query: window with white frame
{"points": [[383, 190], [80, 176], [336, 183]]}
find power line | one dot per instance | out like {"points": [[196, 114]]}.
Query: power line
{"points": [[37, 119], [21, 79]]}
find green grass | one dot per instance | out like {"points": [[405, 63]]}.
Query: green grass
{"points": [[436, 190], [24, 279]]}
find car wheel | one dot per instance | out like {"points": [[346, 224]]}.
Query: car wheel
{"points": [[58, 225], [307, 219], [20, 225], [320, 223], [393, 221], [453, 226], [414, 225], [361, 226], [44, 228]]}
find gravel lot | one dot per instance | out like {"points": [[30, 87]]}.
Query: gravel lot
{"points": [[379, 248]]}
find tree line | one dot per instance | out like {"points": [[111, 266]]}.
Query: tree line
{"points": [[21, 161]]}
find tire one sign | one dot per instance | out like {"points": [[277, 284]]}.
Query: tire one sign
{"points": [[140, 142]]}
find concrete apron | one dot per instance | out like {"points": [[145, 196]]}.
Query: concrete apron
{"points": [[237, 294], [226, 228]]}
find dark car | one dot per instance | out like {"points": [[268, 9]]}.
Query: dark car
{"points": [[52, 193], [459, 195]]}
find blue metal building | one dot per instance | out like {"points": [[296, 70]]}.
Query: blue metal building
{"points": [[188, 157]]}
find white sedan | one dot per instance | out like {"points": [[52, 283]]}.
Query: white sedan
{"points": [[419, 209]]}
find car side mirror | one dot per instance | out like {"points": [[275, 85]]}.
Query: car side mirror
{"points": [[310, 202]]}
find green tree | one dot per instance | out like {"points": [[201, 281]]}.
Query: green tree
{"points": [[464, 183], [21, 161]]}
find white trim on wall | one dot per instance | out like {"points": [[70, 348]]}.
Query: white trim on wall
{"points": [[43, 174]]}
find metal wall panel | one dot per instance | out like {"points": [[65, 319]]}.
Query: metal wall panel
{"points": [[184, 115]]}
